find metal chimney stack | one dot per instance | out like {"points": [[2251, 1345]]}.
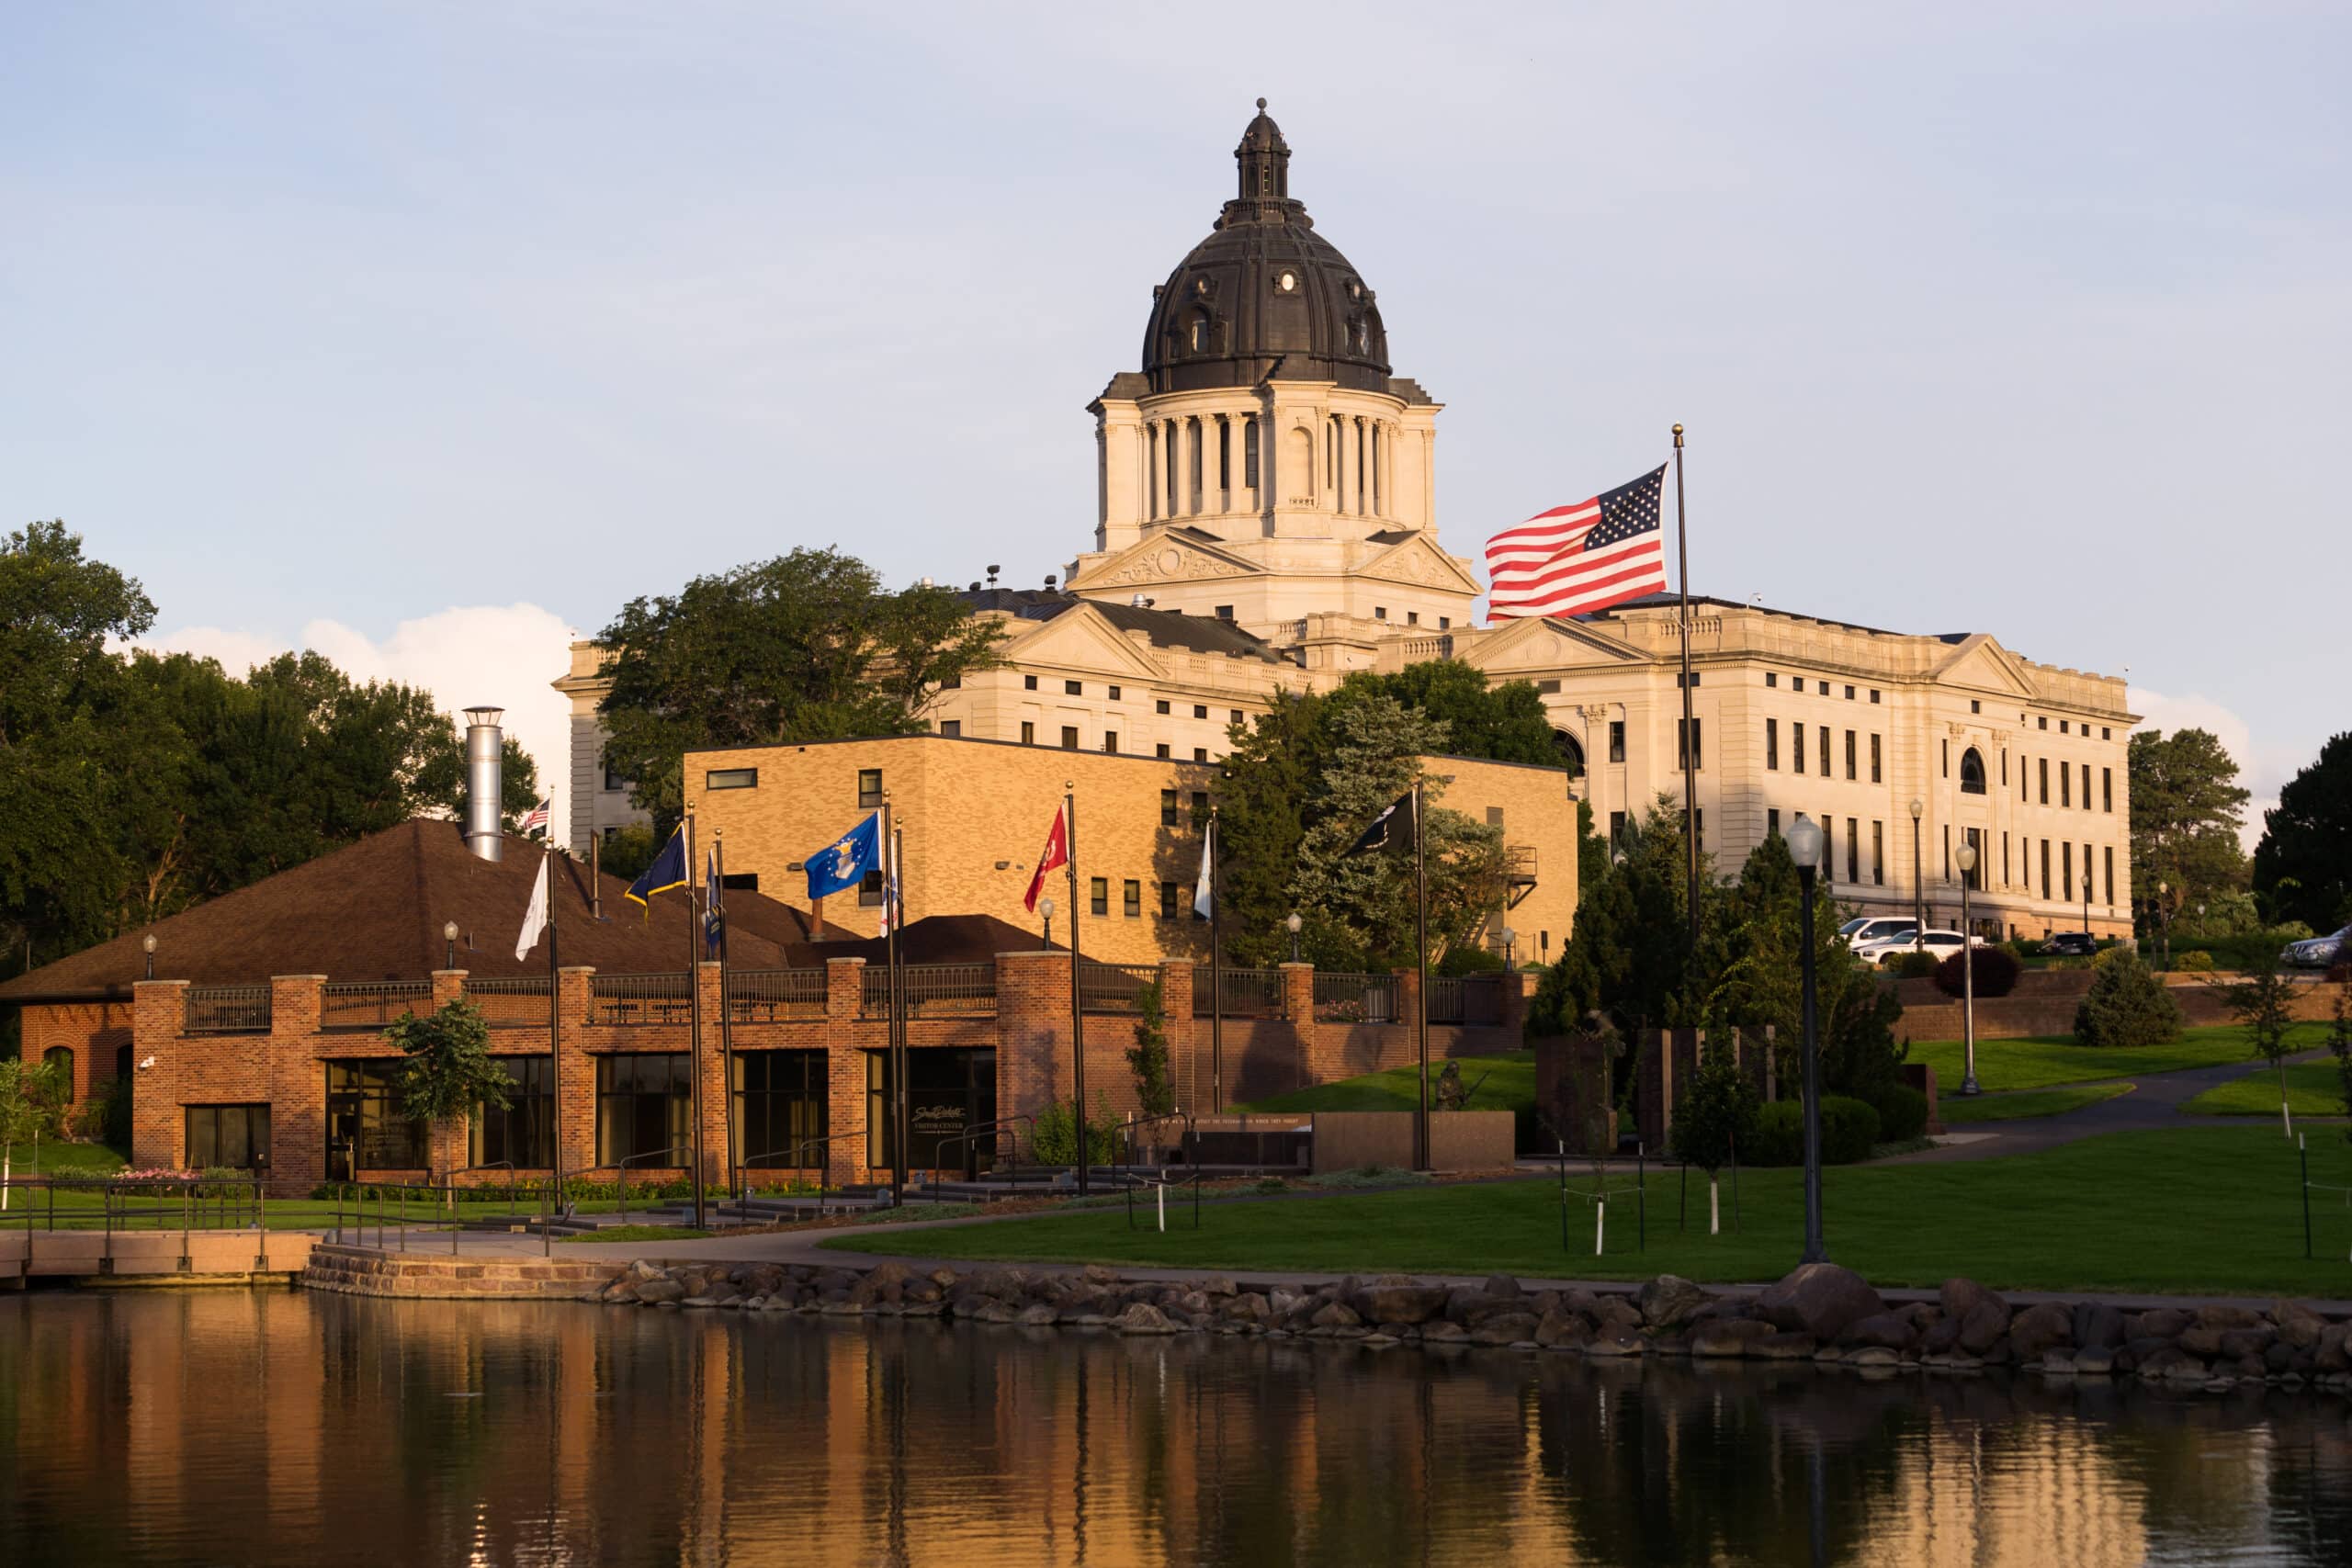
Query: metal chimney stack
{"points": [[485, 781]]}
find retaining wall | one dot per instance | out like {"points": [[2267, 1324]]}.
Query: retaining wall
{"points": [[367, 1271]]}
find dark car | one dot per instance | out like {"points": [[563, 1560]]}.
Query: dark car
{"points": [[2070, 944]]}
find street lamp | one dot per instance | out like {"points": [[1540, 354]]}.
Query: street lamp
{"points": [[1508, 936], [450, 936], [1806, 842], [1292, 926], [1967, 858], [1918, 880], [1045, 908], [2163, 925], [148, 943]]}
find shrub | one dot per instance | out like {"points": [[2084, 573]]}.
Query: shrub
{"points": [[1997, 972], [1054, 1141], [1848, 1130], [2127, 1005], [1912, 965], [1902, 1113], [2194, 961]]}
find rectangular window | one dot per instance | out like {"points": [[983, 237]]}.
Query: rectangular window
{"points": [[1097, 895], [1771, 677], [1131, 899], [1548, 688], [1975, 838], [1200, 753], [1878, 851], [1975, 706], [1850, 773], [1200, 710], [1616, 829], [1225, 612], [232, 1136], [1160, 707], [1161, 751], [1690, 743], [1824, 753], [1200, 807], [1873, 693], [869, 890], [731, 778], [2042, 722], [1947, 758], [1379, 613], [1850, 697], [614, 778], [2046, 868], [1028, 683], [1074, 688], [1445, 623], [364, 1120], [1616, 740], [1412, 617], [1236, 715], [2065, 784], [2025, 779], [2108, 856], [2004, 767], [2087, 786], [1947, 852], [1796, 737], [951, 728], [1696, 675], [1069, 737], [1773, 745], [2044, 771], [2066, 870], [523, 1133], [2062, 727], [869, 786], [1111, 740], [1167, 808], [1028, 732], [1493, 817], [2106, 789], [1853, 850], [1113, 693], [1772, 822], [1876, 777], [949, 1091], [779, 1104], [642, 1108], [745, 881], [1823, 687], [1168, 901]]}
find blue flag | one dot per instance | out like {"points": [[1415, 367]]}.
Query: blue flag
{"points": [[714, 909], [845, 863], [668, 870]]}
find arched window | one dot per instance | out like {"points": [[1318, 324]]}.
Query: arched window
{"points": [[62, 1059], [1571, 752], [1225, 453], [1249, 451], [1971, 773], [1203, 332]]}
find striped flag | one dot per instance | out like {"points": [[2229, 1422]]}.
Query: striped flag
{"points": [[535, 817], [1574, 559]]}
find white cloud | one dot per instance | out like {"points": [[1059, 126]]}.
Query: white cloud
{"points": [[2261, 771], [501, 654]]}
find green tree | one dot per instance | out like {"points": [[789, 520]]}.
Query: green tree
{"points": [[2263, 1003], [2304, 864], [1504, 723], [2339, 1045], [28, 1099], [1147, 1059], [1717, 1114], [2186, 808], [805, 646], [2127, 1005], [450, 1073]]}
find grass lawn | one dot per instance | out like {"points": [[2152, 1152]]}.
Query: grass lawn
{"points": [[2039, 1061], [1499, 1083], [63, 1159], [2313, 1090], [2199, 1209], [1959, 1112], [638, 1233]]}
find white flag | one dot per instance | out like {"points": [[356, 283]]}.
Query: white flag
{"points": [[535, 918], [1204, 892]]}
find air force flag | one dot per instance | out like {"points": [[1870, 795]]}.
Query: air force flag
{"points": [[843, 863]]}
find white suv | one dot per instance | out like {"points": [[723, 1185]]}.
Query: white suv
{"points": [[1884, 928], [1936, 944]]}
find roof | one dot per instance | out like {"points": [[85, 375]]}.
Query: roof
{"points": [[1194, 634], [938, 939], [373, 910], [1670, 601]]}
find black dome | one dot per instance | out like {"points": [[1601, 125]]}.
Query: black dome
{"points": [[1265, 294]]}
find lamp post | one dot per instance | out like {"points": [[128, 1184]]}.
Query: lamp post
{"points": [[450, 940], [1967, 858], [1291, 925], [1509, 957], [1045, 908], [1918, 880], [2163, 925], [148, 943], [1805, 841]]}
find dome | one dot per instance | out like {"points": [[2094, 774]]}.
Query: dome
{"points": [[1265, 294]]}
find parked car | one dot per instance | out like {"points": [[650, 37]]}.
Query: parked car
{"points": [[2318, 952], [2070, 944], [1936, 944], [1883, 928]]}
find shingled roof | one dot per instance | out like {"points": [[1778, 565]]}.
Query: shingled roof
{"points": [[373, 910]]}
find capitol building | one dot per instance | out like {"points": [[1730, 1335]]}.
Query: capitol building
{"points": [[1267, 518]]}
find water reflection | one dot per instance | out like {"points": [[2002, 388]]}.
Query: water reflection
{"points": [[200, 1426]]}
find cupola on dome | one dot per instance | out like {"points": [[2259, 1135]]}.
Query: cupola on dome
{"points": [[1264, 295]]}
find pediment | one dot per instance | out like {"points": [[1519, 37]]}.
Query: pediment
{"points": [[1420, 562], [1538, 644], [1981, 664], [1080, 638], [1164, 556]]}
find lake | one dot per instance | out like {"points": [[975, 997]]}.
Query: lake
{"points": [[213, 1426]]}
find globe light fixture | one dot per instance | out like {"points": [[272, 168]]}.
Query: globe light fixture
{"points": [[1045, 908], [1806, 842], [1967, 859], [148, 943], [450, 938], [1292, 925], [1918, 880], [1509, 937]]}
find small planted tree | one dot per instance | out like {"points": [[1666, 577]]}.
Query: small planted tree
{"points": [[1149, 1060], [2127, 1007], [2263, 1004], [2339, 1043], [28, 1097], [451, 1071], [1717, 1114]]}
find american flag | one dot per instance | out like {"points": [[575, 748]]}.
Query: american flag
{"points": [[1574, 559], [535, 817]]}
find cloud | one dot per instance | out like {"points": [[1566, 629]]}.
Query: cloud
{"points": [[2260, 770], [499, 654]]}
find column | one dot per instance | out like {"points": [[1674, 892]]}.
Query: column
{"points": [[844, 1061], [575, 1111]]}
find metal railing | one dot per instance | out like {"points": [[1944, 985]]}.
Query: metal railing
{"points": [[400, 1207], [1355, 998], [797, 1152], [950, 990], [969, 1140], [1158, 1183], [772, 996], [647, 1157], [630, 999], [1133, 1145], [1112, 987], [1518, 863], [1468, 999], [874, 992], [1247, 993], [511, 1003], [369, 1006], [120, 1206], [226, 1010]]}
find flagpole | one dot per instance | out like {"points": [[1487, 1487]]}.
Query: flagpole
{"points": [[894, 896], [693, 1015], [555, 1027], [725, 1007], [1690, 737], [1217, 978], [894, 1033], [1077, 1014], [1421, 948]]}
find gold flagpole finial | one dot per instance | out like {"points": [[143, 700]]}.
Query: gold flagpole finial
{"points": [[1678, 437]]}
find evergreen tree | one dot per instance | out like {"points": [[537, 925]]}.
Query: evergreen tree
{"points": [[2304, 864]]}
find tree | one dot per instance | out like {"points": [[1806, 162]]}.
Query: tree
{"points": [[2186, 808], [805, 646], [1718, 1111], [2304, 864], [1501, 723], [450, 1073], [29, 1097], [1149, 1058], [2127, 1005], [2263, 1004], [2339, 1045]]}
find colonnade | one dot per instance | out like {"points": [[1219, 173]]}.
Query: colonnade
{"points": [[1219, 464]]}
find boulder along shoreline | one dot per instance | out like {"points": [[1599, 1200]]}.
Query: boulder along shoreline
{"points": [[1819, 1314]]}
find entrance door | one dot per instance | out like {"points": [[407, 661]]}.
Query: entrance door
{"points": [[951, 1092]]}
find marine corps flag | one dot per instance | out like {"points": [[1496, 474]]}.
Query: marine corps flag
{"points": [[1056, 853]]}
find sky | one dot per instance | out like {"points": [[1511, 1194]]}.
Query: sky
{"points": [[429, 334]]}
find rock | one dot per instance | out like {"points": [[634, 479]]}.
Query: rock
{"points": [[2298, 1325], [1095, 1274], [658, 1290], [1335, 1315], [1941, 1337], [698, 1301], [1505, 1329], [2239, 1344], [1782, 1347], [1502, 1285], [1442, 1332], [1960, 1294], [1669, 1299], [2056, 1362], [2097, 1327], [1617, 1311], [1036, 1317], [2096, 1361], [2219, 1317], [2160, 1322], [645, 1271], [1727, 1337], [2171, 1364], [2334, 1350], [1891, 1330], [2038, 1328], [1220, 1285], [1617, 1344], [2279, 1357], [1561, 1329], [1399, 1303], [1873, 1356], [2200, 1340], [1819, 1299], [1143, 1318]]}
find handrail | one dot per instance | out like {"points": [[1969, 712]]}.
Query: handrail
{"points": [[1193, 1179], [1136, 1123], [622, 1166], [795, 1148], [992, 1131], [505, 1165]]}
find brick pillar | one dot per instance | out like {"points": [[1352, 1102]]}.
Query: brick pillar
{"points": [[1298, 1013], [452, 1144], [1033, 1058], [575, 1112], [1409, 1004], [1518, 986], [1188, 1037], [716, 1090], [158, 1010], [844, 1068], [294, 1004]]}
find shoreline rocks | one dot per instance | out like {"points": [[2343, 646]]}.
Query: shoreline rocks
{"points": [[1819, 1315]]}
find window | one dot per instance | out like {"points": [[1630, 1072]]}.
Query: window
{"points": [[1850, 697], [1412, 617], [1131, 899], [1772, 822], [1825, 762], [1947, 758], [731, 778], [642, 1099], [2087, 786], [2110, 857], [523, 1133], [1225, 612], [2065, 784], [2066, 870], [869, 786], [739, 882], [1616, 740], [1200, 807], [1028, 683], [2045, 780], [1167, 808], [1975, 878], [1875, 775], [1200, 710], [1822, 687], [1689, 744], [1445, 623], [1168, 909], [1972, 772], [1947, 852], [1111, 740], [1380, 612], [614, 778], [1853, 850], [869, 890], [1616, 829], [2005, 769], [1028, 732], [1113, 693], [1773, 744], [1771, 677], [1160, 707], [951, 728], [1548, 688], [1200, 753], [1796, 734], [779, 1102], [1249, 453], [1850, 773], [60, 1058], [1975, 706], [949, 1089], [1236, 715], [364, 1120], [2042, 723], [2061, 728], [1161, 751], [1074, 688], [1097, 895], [2106, 790], [2025, 779], [1693, 681], [1069, 737], [1873, 693], [2046, 868], [1493, 817], [232, 1136], [1878, 851], [2004, 858]]}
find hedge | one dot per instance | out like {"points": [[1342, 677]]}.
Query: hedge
{"points": [[1848, 1130]]}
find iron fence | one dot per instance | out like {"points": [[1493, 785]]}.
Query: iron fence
{"points": [[227, 1009], [510, 1004], [874, 992], [1355, 998], [1247, 993], [630, 999], [367, 1006], [1113, 987], [950, 990], [770, 995], [1482, 1000]]}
